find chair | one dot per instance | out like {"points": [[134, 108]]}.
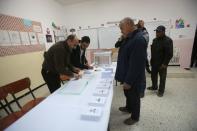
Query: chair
{"points": [[11, 116], [21, 85]]}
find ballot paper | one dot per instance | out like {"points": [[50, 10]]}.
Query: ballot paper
{"points": [[97, 101], [74, 87], [109, 69], [105, 80], [103, 85], [106, 74], [91, 113], [101, 92]]}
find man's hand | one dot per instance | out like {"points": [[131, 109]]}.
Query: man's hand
{"points": [[90, 67], [64, 77], [76, 70], [77, 76], [126, 86]]}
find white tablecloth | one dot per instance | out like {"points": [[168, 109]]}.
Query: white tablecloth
{"points": [[61, 111]]}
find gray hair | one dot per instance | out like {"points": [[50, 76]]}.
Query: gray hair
{"points": [[127, 20]]}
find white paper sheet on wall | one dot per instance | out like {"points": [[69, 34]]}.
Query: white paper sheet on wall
{"points": [[25, 38], [33, 38], [4, 38], [37, 28], [41, 38], [15, 37]]}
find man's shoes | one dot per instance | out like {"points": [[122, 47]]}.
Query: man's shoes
{"points": [[130, 121], [159, 94], [151, 88], [124, 109], [141, 94]]}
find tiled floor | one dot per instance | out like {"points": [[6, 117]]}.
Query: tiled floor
{"points": [[175, 111]]}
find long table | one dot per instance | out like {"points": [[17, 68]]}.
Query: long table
{"points": [[61, 111]]}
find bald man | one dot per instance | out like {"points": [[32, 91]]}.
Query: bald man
{"points": [[57, 65], [131, 67]]}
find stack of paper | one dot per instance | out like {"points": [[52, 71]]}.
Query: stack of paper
{"points": [[91, 113], [106, 74], [105, 81], [101, 92], [97, 101], [103, 85]]}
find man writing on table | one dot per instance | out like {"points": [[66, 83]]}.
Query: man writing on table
{"points": [[78, 58], [57, 66]]}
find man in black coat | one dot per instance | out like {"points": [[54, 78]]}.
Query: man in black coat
{"points": [[131, 68], [78, 58], [161, 53]]}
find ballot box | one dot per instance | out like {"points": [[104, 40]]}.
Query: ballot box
{"points": [[102, 58]]}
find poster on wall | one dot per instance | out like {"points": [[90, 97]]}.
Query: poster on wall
{"points": [[41, 38], [27, 22], [37, 29], [15, 37], [4, 38], [33, 38], [179, 23], [49, 38], [25, 38]]}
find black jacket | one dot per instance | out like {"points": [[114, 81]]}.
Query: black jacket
{"points": [[76, 60], [131, 59], [57, 59], [161, 51]]}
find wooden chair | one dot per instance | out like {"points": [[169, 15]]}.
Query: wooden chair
{"points": [[20, 85], [11, 116]]}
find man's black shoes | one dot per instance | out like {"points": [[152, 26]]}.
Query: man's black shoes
{"points": [[151, 88], [159, 94], [124, 109], [130, 121]]}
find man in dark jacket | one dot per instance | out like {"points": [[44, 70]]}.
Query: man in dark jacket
{"points": [[56, 65], [131, 68], [78, 58], [161, 53]]}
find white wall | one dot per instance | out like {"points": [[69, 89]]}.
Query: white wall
{"points": [[95, 13], [99, 12]]}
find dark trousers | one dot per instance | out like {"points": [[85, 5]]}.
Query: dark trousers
{"points": [[154, 76], [133, 102], [143, 85], [52, 80]]}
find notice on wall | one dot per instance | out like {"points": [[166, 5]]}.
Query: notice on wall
{"points": [[33, 38], [16, 33], [25, 38], [4, 38], [15, 37], [41, 38]]}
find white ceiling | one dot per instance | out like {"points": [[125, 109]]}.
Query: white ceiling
{"points": [[70, 2]]}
